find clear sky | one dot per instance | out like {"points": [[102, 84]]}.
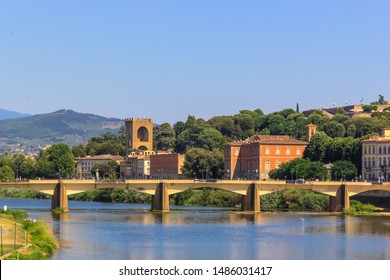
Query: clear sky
{"points": [[167, 59]]}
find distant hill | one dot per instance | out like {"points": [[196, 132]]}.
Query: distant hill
{"points": [[28, 134], [5, 114]]}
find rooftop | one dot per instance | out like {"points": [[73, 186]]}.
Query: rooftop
{"points": [[270, 139]]}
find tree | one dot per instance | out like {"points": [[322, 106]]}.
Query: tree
{"points": [[57, 159], [201, 163], [27, 169], [317, 148], [300, 168], [333, 129], [245, 125], [344, 169], [107, 143], [369, 108], [79, 151], [178, 127], [6, 173], [164, 137], [225, 125], [107, 169], [366, 126], [209, 139]]}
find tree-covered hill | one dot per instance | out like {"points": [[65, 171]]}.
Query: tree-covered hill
{"points": [[62, 126]]}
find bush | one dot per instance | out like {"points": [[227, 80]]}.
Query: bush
{"points": [[356, 207], [295, 199], [17, 214]]}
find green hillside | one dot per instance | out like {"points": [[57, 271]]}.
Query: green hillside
{"points": [[61, 126]]}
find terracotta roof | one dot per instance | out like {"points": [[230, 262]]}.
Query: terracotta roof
{"points": [[100, 157], [270, 139], [378, 139]]}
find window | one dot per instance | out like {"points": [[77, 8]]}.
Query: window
{"points": [[298, 151], [267, 165], [277, 164], [380, 150], [278, 150], [267, 150], [288, 150]]}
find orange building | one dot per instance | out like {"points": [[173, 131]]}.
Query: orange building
{"points": [[166, 166], [254, 158]]}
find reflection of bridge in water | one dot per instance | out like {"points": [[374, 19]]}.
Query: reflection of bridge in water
{"points": [[160, 190]]}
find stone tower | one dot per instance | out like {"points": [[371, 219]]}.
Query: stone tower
{"points": [[139, 135], [310, 130]]}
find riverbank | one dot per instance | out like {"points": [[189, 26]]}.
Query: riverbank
{"points": [[24, 238]]}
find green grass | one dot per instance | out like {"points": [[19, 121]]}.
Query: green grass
{"points": [[40, 238]]}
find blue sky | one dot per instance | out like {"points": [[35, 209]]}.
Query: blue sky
{"points": [[168, 59]]}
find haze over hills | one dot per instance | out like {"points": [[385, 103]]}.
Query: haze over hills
{"points": [[5, 114], [29, 134]]}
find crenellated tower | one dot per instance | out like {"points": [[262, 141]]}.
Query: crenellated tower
{"points": [[139, 134]]}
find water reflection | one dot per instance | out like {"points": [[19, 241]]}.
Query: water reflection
{"points": [[123, 231]]}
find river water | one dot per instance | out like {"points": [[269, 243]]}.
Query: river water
{"points": [[113, 231]]}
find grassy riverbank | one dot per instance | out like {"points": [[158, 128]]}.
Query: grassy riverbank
{"points": [[25, 239]]}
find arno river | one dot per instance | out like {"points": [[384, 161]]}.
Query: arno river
{"points": [[112, 231]]}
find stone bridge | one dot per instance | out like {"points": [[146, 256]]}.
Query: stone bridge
{"points": [[339, 193]]}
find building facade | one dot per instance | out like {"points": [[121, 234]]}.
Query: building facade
{"points": [[376, 157], [166, 166], [84, 165], [254, 158], [138, 165]]}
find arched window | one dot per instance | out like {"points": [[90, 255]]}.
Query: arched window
{"points": [[142, 134]]}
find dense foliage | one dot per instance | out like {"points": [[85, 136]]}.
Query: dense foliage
{"points": [[295, 199], [300, 168]]}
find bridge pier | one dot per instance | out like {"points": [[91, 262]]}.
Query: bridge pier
{"points": [[60, 197], [341, 201], [160, 200], [251, 201]]}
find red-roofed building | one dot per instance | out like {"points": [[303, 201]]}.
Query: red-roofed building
{"points": [[254, 158]]}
